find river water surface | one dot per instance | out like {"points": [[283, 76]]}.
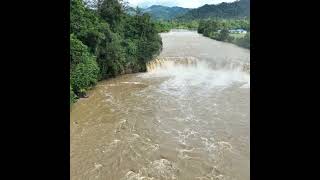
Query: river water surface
{"points": [[186, 118]]}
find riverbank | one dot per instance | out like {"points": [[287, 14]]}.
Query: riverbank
{"points": [[234, 42], [104, 46], [221, 31], [239, 40]]}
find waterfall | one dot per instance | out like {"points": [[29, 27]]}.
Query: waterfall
{"points": [[162, 63]]}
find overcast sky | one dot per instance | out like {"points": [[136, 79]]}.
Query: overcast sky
{"points": [[170, 3]]}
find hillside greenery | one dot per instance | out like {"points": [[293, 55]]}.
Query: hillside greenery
{"points": [[237, 9], [158, 12], [105, 42]]}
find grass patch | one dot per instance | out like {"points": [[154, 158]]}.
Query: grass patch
{"points": [[237, 35]]}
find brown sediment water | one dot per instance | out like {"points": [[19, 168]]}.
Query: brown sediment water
{"points": [[186, 118]]}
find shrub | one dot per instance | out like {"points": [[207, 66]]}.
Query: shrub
{"points": [[84, 69], [223, 35], [72, 96], [244, 42], [84, 75]]}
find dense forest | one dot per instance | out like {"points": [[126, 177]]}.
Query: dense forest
{"points": [[233, 10], [105, 42]]}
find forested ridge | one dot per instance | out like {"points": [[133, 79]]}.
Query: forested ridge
{"points": [[159, 12], [236, 9], [231, 10], [105, 42], [213, 21]]}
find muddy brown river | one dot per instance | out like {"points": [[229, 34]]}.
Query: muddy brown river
{"points": [[186, 118]]}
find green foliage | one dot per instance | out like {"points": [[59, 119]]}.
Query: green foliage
{"points": [[230, 39], [131, 50], [213, 25], [201, 27], [223, 35], [84, 76], [84, 69], [110, 56], [163, 26], [78, 51], [149, 43], [210, 28], [158, 12], [147, 49], [105, 42], [244, 42], [237, 9], [77, 13], [72, 96], [111, 11], [219, 29], [166, 26], [235, 24]]}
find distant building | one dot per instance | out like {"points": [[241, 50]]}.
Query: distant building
{"points": [[238, 31]]}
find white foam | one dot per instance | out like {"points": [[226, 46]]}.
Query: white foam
{"points": [[191, 72], [158, 169], [135, 176], [131, 82], [182, 155]]}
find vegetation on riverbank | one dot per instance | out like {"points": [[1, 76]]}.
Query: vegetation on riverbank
{"points": [[166, 26], [219, 30], [105, 42]]}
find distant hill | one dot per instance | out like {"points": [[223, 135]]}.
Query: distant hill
{"points": [[130, 11], [165, 13], [237, 9]]}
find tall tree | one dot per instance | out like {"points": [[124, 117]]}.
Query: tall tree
{"points": [[111, 11]]}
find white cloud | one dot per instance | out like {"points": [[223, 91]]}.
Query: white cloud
{"points": [[170, 3]]}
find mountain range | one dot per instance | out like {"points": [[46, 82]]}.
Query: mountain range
{"points": [[165, 13], [236, 9]]}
